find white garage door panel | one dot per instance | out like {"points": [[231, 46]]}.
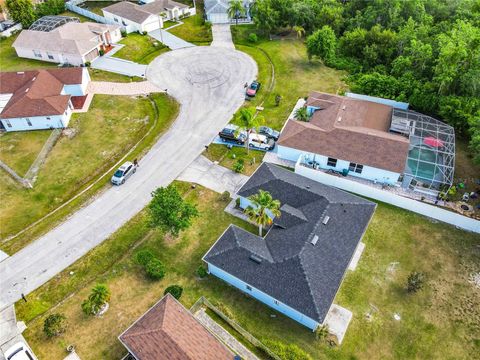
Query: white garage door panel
{"points": [[218, 18], [151, 26]]}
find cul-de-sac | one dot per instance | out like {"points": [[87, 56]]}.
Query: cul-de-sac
{"points": [[239, 179]]}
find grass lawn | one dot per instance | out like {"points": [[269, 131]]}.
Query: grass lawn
{"points": [[73, 14], [440, 321], [9, 61], [96, 6], [228, 157], [101, 137], [295, 76], [20, 149], [140, 48], [194, 29], [100, 75]]}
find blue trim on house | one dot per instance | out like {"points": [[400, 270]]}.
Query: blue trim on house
{"points": [[392, 103]]}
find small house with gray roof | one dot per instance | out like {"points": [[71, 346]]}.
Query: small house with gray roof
{"points": [[298, 267]]}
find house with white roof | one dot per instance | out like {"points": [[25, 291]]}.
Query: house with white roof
{"points": [[147, 17], [65, 40]]}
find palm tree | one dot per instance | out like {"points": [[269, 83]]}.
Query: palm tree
{"points": [[235, 9], [262, 207], [299, 30], [99, 296], [248, 120], [302, 114]]}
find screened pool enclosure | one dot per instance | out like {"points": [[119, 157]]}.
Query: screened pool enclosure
{"points": [[431, 155]]}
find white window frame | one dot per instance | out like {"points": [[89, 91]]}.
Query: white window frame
{"points": [[356, 168], [9, 124], [29, 123], [249, 288], [37, 54], [332, 160]]}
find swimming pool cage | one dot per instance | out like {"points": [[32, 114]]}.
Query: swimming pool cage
{"points": [[431, 156]]}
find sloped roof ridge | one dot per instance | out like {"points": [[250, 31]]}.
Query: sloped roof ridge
{"points": [[253, 251], [312, 297]]}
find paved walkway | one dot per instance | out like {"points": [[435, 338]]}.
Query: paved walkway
{"points": [[224, 335], [113, 88], [222, 36], [208, 83], [215, 177], [119, 66], [170, 40]]}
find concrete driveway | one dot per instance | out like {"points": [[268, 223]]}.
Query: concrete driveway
{"points": [[119, 66], [222, 36], [208, 82], [169, 40]]}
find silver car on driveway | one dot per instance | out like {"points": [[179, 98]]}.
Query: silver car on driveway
{"points": [[123, 173]]}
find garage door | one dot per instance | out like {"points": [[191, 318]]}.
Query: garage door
{"points": [[151, 26], [218, 18]]}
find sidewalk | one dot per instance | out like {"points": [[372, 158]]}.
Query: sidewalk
{"points": [[169, 40], [113, 88]]}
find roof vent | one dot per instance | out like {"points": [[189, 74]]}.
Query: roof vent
{"points": [[34, 78], [314, 240], [20, 72], [26, 90], [307, 186], [325, 220], [256, 259], [343, 107], [339, 119]]}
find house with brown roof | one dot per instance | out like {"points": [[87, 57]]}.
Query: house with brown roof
{"points": [[148, 16], [169, 331], [71, 43], [346, 135], [40, 99]]}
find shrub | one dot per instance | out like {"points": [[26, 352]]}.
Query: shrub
{"points": [[238, 166], [252, 37], [143, 257], [286, 352], [88, 63], [144, 33], [175, 290], [208, 24], [155, 269], [54, 325], [123, 32], [237, 202], [202, 272], [99, 296], [321, 332], [225, 196], [101, 52], [278, 98], [415, 281]]}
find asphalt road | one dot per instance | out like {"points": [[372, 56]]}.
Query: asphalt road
{"points": [[208, 83]]}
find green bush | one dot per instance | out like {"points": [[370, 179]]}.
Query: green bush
{"points": [[155, 269], [99, 296], [88, 63], [144, 33], [54, 325], [225, 196], [237, 202], [415, 281], [143, 257], [175, 290], [202, 272], [238, 166], [101, 52], [286, 352], [253, 38]]}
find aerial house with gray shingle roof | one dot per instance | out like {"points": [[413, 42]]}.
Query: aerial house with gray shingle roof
{"points": [[297, 268]]}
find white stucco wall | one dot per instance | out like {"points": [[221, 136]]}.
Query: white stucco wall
{"points": [[56, 57], [78, 89], [368, 172], [38, 122]]}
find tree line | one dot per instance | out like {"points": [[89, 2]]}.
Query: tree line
{"points": [[424, 52], [24, 12]]}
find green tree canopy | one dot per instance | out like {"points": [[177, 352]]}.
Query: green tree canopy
{"points": [[21, 11], [248, 120], [169, 211], [236, 9], [322, 43]]}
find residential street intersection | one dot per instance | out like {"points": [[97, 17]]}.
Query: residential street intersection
{"points": [[208, 83]]}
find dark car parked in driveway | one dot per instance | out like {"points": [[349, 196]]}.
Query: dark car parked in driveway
{"points": [[269, 132], [253, 89], [229, 133]]}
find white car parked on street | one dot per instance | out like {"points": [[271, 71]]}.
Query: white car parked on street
{"points": [[260, 142], [123, 173], [19, 351]]}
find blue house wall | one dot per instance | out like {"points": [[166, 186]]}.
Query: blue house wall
{"points": [[264, 298]]}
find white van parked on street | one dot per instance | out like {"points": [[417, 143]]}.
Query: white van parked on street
{"points": [[260, 142]]}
